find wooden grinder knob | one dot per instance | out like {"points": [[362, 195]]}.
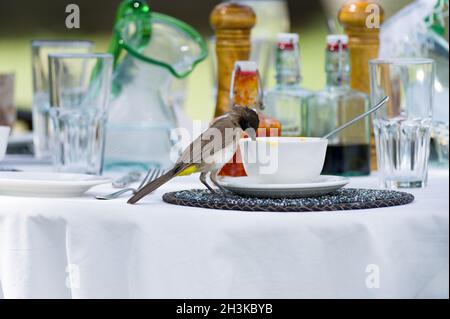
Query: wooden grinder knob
{"points": [[232, 23]]}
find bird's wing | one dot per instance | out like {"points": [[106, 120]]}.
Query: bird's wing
{"points": [[223, 133]]}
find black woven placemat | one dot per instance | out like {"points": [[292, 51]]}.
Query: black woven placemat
{"points": [[343, 199]]}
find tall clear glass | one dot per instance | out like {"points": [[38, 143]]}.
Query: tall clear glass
{"points": [[40, 49], [80, 87], [7, 106], [403, 126]]}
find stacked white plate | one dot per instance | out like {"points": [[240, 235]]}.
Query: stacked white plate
{"points": [[49, 184]]}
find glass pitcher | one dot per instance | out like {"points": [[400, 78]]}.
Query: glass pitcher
{"points": [[150, 50]]}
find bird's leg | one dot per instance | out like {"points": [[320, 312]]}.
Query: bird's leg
{"points": [[203, 180], [213, 178]]}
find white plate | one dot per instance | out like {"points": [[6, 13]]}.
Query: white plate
{"points": [[249, 187], [47, 184]]}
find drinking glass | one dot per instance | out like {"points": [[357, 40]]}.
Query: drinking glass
{"points": [[7, 106], [79, 94], [40, 49], [440, 137], [403, 126]]}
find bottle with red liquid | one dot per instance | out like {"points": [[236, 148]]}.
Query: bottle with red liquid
{"points": [[246, 90]]}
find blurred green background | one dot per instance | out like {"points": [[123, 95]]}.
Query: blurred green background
{"points": [[22, 21]]}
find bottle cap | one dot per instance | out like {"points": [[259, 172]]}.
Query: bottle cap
{"points": [[287, 37], [246, 66], [287, 41], [336, 41]]}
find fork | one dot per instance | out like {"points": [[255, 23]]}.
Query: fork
{"points": [[127, 179], [152, 174]]}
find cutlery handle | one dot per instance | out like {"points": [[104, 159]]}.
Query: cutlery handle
{"points": [[357, 118], [9, 169], [126, 180], [115, 195]]}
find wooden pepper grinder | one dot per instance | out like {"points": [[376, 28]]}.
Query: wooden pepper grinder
{"points": [[361, 21], [232, 23]]}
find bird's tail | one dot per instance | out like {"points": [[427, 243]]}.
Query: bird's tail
{"points": [[153, 185]]}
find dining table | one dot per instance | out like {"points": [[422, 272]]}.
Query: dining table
{"points": [[81, 247]]}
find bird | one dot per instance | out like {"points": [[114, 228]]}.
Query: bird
{"points": [[209, 152]]}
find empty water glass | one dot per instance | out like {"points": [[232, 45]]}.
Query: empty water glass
{"points": [[402, 128], [79, 94], [40, 49], [7, 106]]}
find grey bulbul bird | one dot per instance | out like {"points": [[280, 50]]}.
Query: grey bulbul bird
{"points": [[210, 151]]}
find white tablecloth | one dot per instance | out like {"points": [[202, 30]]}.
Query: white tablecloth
{"points": [[84, 248]]}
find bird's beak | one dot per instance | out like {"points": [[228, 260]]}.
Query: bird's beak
{"points": [[252, 134]]}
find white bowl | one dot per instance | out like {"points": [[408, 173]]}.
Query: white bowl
{"points": [[283, 159], [4, 134]]}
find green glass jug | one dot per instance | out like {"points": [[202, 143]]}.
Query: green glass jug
{"points": [[150, 50]]}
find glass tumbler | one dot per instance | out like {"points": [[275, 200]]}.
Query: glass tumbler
{"points": [[40, 49], [80, 87], [403, 126], [7, 106]]}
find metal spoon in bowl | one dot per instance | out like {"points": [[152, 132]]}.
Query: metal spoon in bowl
{"points": [[359, 117]]}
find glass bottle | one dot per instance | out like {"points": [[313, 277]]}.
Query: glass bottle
{"points": [[348, 152], [286, 100], [246, 90], [272, 18]]}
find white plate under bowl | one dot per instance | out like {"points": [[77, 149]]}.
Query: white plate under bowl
{"points": [[49, 184], [247, 186]]}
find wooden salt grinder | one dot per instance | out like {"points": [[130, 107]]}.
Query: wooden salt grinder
{"points": [[359, 19], [232, 23]]}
